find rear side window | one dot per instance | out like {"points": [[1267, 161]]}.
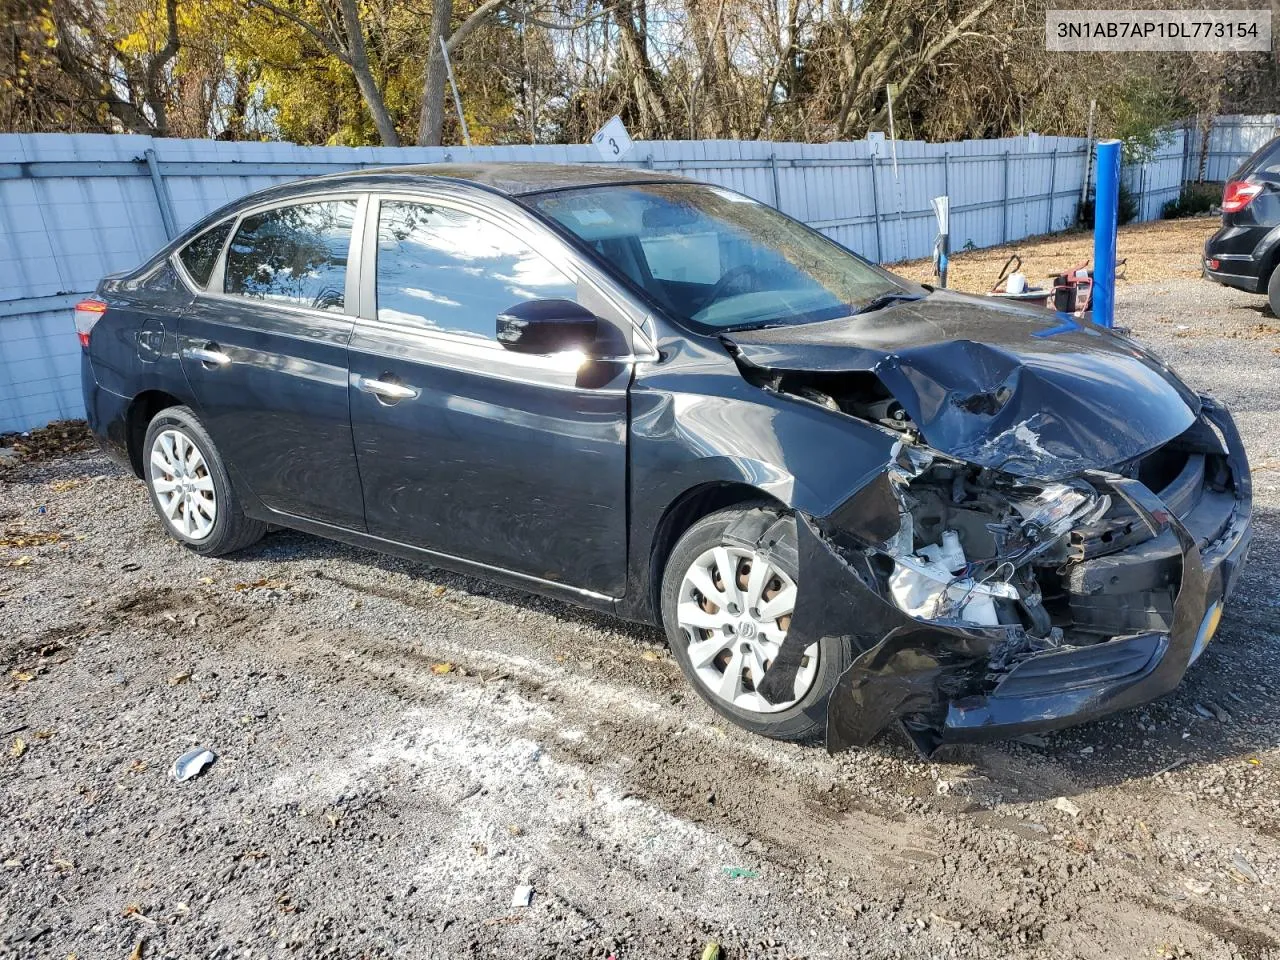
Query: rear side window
{"points": [[199, 256], [295, 255], [452, 271]]}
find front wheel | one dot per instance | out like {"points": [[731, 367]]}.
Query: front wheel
{"points": [[190, 489], [1273, 290], [728, 597]]}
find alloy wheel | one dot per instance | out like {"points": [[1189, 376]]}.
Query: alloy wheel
{"points": [[183, 485], [734, 609]]}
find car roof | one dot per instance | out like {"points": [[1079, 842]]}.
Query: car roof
{"points": [[515, 179], [511, 179]]}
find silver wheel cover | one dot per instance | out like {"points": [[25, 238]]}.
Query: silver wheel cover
{"points": [[182, 484], [734, 610]]}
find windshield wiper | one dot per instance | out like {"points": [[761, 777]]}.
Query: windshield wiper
{"points": [[884, 299]]}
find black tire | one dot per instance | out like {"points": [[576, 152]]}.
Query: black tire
{"points": [[806, 719], [231, 529], [1273, 290]]}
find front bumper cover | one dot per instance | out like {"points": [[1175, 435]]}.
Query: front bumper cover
{"points": [[954, 682]]}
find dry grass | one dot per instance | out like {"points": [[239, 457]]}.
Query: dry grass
{"points": [[1163, 250]]}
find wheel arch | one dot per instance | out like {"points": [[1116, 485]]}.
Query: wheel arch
{"points": [[141, 411], [682, 513]]}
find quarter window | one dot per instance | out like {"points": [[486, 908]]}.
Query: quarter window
{"points": [[447, 270], [199, 256], [294, 255]]}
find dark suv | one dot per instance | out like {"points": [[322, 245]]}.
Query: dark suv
{"points": [[1244, 253]]}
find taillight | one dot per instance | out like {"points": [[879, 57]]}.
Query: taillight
{"points": [[88, 312], [1238, 195]]}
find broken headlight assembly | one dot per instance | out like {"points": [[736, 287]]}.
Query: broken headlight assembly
{"points": [[971, 544]]}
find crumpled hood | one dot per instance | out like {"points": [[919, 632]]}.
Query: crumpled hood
{"points": [[1019, 389]]}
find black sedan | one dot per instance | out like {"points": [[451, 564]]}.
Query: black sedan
{"points": [[848, 499]]}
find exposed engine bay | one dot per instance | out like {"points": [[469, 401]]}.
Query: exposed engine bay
{"points": [[971, 542]]}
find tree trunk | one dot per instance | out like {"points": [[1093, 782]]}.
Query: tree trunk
{"points": [[369, 89], [431, 123], [634, 42]]}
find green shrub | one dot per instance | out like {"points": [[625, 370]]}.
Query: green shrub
{"points": [[1195, 198], [1126, 208]]}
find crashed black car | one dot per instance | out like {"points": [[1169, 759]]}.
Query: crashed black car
{"points": [[849, 500]]}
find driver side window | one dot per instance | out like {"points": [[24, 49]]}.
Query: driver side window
{"points": [[451, 271]]}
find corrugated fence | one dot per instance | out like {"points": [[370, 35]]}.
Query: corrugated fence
{"points": [[1231, 140], [76, 207]]}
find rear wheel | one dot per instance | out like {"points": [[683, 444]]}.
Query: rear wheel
{"points": [[1273, 290], [190, 489], [728, 597]]}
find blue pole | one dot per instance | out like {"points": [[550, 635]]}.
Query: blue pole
{"points": [[1106, 202]]}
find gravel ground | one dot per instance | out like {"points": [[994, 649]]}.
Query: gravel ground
{"points": [[400, 748]]}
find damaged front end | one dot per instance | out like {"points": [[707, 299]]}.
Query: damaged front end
{"points": [[1053, 539], [985, 605]]}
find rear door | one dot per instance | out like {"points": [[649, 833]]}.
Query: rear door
{"points": [[513, 461], [264, 348]]}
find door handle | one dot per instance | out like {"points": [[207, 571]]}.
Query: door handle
{"points": [[207, 355], [386, 391]]}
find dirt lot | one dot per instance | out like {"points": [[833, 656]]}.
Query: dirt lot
{"points": [[1153, 252], [399, 748]]}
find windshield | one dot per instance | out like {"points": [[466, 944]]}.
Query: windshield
{"points": [[717, 260]]}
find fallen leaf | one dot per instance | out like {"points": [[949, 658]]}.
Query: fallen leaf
{"points": [[13, 539], [650, 655], [22, 676], [136, 954], [440, 669], [62, 486], [20, 562], [18, 748], [263, 583], [206, 580], [180, 678]]}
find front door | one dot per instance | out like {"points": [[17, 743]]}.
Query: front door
{"points": [[513, 461], [265, 352]]}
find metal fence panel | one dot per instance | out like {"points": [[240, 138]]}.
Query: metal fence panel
{"points": [[1232, 138]]}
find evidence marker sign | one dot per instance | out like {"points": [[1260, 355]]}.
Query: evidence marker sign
{"points": [[612, 140]]}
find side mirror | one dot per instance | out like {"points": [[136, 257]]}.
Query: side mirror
{"points": [[547, 326]]}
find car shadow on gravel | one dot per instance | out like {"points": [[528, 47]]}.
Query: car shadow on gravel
{"points": [[297, 547]]}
